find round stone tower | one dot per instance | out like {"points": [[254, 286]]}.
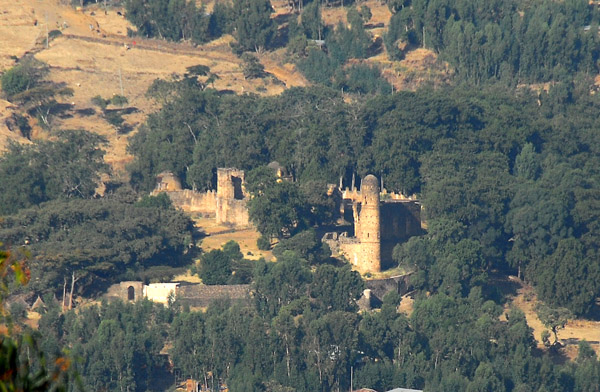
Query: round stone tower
{"points": [[368, 232]]}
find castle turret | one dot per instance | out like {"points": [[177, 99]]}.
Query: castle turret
{"points": [[230, 183], [368, 228]]}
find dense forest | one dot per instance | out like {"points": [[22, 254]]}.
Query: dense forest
{"points": [[302, 333], [508, 174]]}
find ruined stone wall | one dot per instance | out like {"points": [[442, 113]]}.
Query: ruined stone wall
{"points": [[234, 212], [192, 201], [230, 183], [167, 181], [400, 220], [380, 287], [227, 204], [352, 250], [203, 295]]}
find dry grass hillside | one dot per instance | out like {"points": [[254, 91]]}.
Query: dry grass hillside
{"points": [[94, 56]]}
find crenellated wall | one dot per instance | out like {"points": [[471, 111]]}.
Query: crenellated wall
{"points": [[192, 201]]}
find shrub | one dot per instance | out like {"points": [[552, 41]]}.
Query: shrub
{"points": [[215, 267], [54, 33], [15, 80], [252, 68], [114, 118], [263, 243], [100, 102], [119, 100]]}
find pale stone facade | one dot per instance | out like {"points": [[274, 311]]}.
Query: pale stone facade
{"points": [[160, 292]]}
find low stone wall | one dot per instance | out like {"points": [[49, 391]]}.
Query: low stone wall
{"points": [[191, 294], [198, 295]]}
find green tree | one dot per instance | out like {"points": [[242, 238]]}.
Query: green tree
{"points": [[553, 318], [485, 380], [252, 68], [161, 201], [189, 344], [215, 267], [255, 29], [312, 22], [280, 211], [336, 288], [279, 284], [118, 343], [306, 245], [16, 80], [98, 240], [569, 278], [527, 164], [46, 170], [331, 342]]}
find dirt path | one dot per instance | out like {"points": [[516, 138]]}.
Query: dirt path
{"points": [[287, 73]]}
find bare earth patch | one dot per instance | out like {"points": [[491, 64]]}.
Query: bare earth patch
{"points": [[574, 332], [94, 56], [218, 235]]}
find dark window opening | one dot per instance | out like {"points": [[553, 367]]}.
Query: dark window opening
{"points": [[237, 188], [130, 293]]}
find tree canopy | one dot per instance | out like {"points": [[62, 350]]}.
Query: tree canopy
{"points": [[69, 167]]}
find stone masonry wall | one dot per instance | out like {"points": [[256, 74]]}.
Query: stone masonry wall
{"points": [[191, 201], [203, 295], [233, 212]]}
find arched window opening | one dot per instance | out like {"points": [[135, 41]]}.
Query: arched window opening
{"points": [[130, 293]]}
